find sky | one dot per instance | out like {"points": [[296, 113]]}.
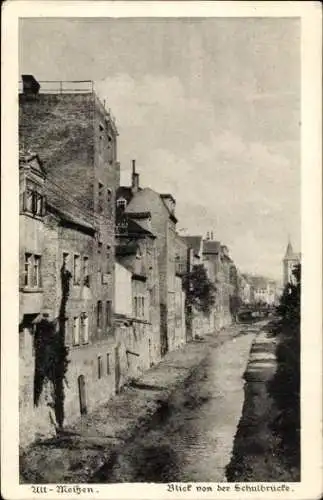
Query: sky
{"points": [[208, 107]]}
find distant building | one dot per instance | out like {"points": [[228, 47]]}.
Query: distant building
{"points": [[264, 290], [219, 266], [290, 261]]}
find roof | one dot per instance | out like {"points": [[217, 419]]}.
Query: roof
{"points": [[211, 247], [193, 242], [168, 195], [171, 214], [127, 249], [132, 228], [289, 250], [140, 215], [68, 210], [141, 200]]}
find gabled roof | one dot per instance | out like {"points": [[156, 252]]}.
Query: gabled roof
{"points": [[31, 160]]}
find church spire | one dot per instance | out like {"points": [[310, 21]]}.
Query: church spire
{"points": [[289, 249]]}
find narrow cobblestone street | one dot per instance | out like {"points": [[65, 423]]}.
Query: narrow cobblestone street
{"points": [[191, 437]]}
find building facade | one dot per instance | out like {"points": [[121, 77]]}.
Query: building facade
{"points": [[75, 139], [157, 212], [137, 284]]}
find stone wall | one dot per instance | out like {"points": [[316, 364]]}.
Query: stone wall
{"points": [[38, 422]]}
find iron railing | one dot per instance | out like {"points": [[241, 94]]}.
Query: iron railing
{"points": [[70, 87], [63, 86]]}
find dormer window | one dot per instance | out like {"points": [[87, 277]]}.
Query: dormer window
{"points": [[33, 200], [121, 203]]}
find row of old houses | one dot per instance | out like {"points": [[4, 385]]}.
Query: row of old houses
{"points": [[102, 266]]}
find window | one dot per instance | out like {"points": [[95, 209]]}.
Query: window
{"points": [[34, 202], [76, 330], [108, 313], [32, 270], [121, 203], [76, 270], [100, 197], [110, 149], [108, 259], [86, 277], [109, 196], [99, 367], [27, 279], [99, 256], [139, 307], [108, 364], [84, 328], [36, 271], [99, 314], [66, 261]]}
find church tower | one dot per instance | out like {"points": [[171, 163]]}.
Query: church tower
{"points": [[291, 259]]}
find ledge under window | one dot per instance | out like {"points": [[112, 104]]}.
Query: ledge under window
{"points": [[30, 289]]}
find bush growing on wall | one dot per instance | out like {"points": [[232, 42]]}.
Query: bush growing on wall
{"points": [[285, 386], [51, 355]]}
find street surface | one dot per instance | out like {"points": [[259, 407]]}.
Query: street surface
{"points": [[191, 438]]}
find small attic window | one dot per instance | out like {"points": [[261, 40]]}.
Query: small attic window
{"points": [[121, 203]]}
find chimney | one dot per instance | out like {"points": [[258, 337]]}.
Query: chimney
{"points": [[208, 235], [30, 85], [135, 178], [212, 235]]}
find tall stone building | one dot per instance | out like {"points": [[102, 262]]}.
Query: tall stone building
{"points": [[157, 212], [75, 138], [137, 297], [290, 261]]}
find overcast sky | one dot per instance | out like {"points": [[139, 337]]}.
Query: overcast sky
{"points": [[210, 109]]}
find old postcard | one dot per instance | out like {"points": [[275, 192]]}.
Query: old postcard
{"points": [[162, 278]]}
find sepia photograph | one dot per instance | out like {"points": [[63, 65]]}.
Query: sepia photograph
{"points": [[160, 251]]}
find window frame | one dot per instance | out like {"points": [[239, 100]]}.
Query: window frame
{"points": [[108, 313], [99, 314], [85, 271], [84, 328], [76, 328], [76, 269]]}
